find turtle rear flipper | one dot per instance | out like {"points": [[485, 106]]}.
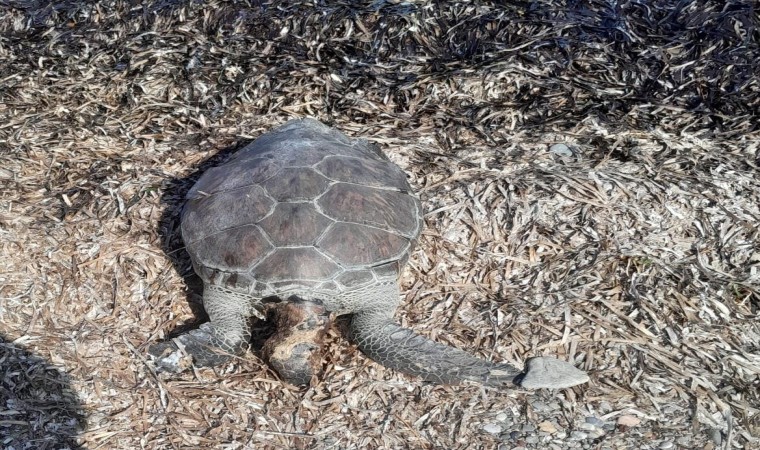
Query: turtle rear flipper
{"points": [[399, 348], [227, 334]]}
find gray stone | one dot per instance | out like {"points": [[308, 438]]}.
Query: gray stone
{"points": [[540, 406], [684, 441], [578, 435], [492, 428], [595, 421], [596, 433], [561, 150]]}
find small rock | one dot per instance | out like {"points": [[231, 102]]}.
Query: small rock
{"points": [[531, 439], [547, 427], [561, 150], [605, 407], [595, 421], [540, 406], [596, 433], [666, 445], [709, 446], [492, 428], [684, 441], [578, 435], [628, 421], [528, 428], [501, 417], [587, 426]]}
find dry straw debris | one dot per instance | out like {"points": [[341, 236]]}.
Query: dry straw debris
{"points": [[633, 252]]}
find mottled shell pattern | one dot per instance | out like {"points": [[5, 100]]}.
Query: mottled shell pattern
{"points": [[302, 208]]}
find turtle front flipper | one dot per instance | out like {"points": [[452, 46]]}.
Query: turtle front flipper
{"points": [[399, 348], [226, 335]]}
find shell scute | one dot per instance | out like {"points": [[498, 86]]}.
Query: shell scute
{"points": [[367, 172], [243, 172], [299, 263], [389, 210], [294, 224], [234, 250], [359, 246], [296, 183], [207, 215]]}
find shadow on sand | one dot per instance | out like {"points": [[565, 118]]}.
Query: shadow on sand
{"points": [[39, 409]]}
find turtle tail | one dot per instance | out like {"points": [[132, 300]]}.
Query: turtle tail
{"points": [[399, 348]]}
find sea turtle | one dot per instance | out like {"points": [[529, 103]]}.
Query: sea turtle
{"points": [[321, 223]]}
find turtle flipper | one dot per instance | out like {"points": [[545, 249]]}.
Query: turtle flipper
{"points": [[207, 346], [402, 349], [399, 348], [551, 373], [226, 335]]}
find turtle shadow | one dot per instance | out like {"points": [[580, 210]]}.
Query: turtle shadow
{"points": [[42, 410], [173, 195]]}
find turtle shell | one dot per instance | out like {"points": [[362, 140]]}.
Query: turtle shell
{"points": [[303, 207]]}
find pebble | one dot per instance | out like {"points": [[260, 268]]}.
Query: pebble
{"points": [[501, 417], [666, 445], [528, 428], [492, 428], [561, 150], [578, 435], [547, 427], [684, 441], [605, 407], [596, 433], [595, 421], [628, 421], [587, 426], [540, 406], [532, 439]]}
